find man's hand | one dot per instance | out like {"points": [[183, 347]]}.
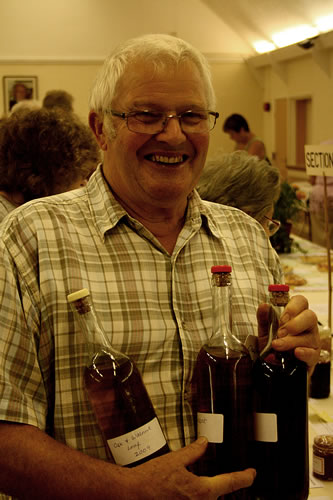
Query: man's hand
{"points": [[298, 330], [167, 477]]}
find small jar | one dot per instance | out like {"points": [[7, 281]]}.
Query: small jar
{"points": [[323, 457]]}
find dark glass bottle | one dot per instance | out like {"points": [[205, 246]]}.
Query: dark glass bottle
{"points": [[221, 390], [281, 417], [117, 394]]}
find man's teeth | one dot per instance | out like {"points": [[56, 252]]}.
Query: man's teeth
{"points": [[167, 159]]}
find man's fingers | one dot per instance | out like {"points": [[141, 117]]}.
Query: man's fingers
{"points": [[305, 322], [226, 483], [191, 453], [309, 356], [295, 306], [263, 319]]}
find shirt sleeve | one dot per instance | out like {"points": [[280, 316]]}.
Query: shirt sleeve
{"points": [[22, 392]]}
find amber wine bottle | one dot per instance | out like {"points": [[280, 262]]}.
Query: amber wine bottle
{"points": [[221, 390], [117, 394], [281, 418]]}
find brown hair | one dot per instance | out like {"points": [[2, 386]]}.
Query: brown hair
{"points": [[43, 152], [58, 99]]}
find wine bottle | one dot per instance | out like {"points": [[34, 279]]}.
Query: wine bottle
{"points": [[221, 390], [281, 417], [119, 399]]}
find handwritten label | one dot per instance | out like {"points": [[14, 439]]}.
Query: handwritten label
{"points": [[319, 159], [137, 444], [210, 425], [265, 427]]}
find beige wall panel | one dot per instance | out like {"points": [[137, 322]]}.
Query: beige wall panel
{"points": [[74, 78]]}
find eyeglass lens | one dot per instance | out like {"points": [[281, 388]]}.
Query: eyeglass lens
{"points": [[153, 123]]}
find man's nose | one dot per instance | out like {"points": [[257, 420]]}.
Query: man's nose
{"points": [[172, 132]]}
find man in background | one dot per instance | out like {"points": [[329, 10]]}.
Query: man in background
{"points": [[239, 131]]}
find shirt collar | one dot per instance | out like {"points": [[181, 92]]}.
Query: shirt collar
{"points": [[107, 212], [203, 211], [105, 209]]}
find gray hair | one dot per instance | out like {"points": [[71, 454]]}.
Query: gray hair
{"points": [[161, 51], [241, 180], [26, 104]]}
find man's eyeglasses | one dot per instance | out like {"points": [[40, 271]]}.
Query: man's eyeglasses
{"points": [[273, 225], [154, 122]]}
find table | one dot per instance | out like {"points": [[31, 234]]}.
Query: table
{"points": [[316, 291], [320, 422], [316, 288]]}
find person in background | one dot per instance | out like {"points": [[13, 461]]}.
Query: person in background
{"points": [[43, 152], [243, 181], [58, 99], [143, 242], [238, 129], [26, 104]]}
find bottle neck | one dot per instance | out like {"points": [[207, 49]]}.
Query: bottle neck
{"points": [[278, 302], [94, 335], [222, 336]]}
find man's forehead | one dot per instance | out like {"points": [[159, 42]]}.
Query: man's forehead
{"points": [[144, 84]]}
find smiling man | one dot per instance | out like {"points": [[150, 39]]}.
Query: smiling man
{"points": [[160, 145], [143, 242]]}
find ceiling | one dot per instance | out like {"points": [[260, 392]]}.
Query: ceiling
{"points": [[87, 29], [255, 20]]}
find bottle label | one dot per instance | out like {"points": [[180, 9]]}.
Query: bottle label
{"points": [[210, 425], [137, 444], [265, 427], [318, 465]]}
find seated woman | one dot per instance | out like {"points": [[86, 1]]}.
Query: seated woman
{"points": [[245, 182], [43, 152]]}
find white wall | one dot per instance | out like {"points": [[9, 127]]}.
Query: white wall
{"points": [[88, 29], [236, 89], [63, 42], [303, 78]]}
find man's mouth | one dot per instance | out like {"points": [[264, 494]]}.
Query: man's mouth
{"points": [[165, 159]]}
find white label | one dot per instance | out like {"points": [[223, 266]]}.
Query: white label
{"points": [[265, 427], [318, 464], [137, 444], [319, 159], [210, 425]]}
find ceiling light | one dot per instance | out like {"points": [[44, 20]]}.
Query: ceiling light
{"points": [[325, 23], [262, 46], [294, 35]]}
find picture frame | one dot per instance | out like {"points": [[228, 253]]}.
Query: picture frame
{"points": [[16, 88]]}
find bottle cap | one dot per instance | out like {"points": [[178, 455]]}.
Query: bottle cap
{"points": [[278, 288], [221, 269], [80, 294]]}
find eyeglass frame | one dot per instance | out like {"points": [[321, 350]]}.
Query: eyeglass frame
{"points": [[276, 223], [166, 118]]}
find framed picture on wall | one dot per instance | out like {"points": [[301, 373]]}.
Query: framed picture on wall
{"points": [[17, 88]]}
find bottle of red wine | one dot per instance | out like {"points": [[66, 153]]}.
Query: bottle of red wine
{"points": [[221, 390], [281, 417], [119, 399]]}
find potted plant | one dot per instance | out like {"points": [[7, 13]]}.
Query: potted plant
{"points": [[286, 211]]}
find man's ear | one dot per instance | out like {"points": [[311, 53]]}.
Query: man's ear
{"points": [[96, 125]]}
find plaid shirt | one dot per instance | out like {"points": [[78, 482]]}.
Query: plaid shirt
{"points": [[154, 306], [5, 207]]}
